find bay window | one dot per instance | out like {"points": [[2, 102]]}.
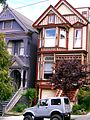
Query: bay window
{"points": [[50, 37], [77, 38]]}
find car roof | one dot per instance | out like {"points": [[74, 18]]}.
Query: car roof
{"points": [[54, 98]]}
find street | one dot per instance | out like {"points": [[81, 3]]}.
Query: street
{"points": [[73, 117]]}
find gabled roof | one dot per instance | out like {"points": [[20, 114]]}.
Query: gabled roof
{"points": [[71, 8], [51, 8], [23, 21], [18, 63]]}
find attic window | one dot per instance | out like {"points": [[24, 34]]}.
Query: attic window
{"points": [[7, 24], [84, 13], [51, 18]]}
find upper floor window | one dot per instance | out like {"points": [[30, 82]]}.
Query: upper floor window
{"points": [[16, 47], [62, 42], [51, 18], [77, 38], [21, 48], [50, 37], [7, 24]]}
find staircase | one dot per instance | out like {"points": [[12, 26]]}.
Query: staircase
{"points": [[58, 92], [6, 106], [13, 100], [71, 94]]}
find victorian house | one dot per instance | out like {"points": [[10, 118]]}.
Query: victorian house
{"points": [[21, 40], [64, 33]]}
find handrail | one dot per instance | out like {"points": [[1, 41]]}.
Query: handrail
{"points": [[13, 100]]}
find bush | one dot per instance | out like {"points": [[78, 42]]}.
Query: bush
{"points": [[31, 95], [84, 98], [76, 108], [83, 105], [20, 107]]}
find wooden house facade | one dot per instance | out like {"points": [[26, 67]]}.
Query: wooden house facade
{"points": [[21, 40], [64, 33]]}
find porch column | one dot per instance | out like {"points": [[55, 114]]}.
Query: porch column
{"points": [[26, 80], [21, 79]]}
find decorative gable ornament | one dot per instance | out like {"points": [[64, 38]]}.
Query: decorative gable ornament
{"points": [[15, 64]]}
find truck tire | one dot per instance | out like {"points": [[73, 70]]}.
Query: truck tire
{"points": [[28, 117], [55, 117]]}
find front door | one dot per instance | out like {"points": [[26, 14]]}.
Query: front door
{"points": [[16, 75]]}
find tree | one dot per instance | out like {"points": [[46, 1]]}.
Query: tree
{"points": [[3, 1], [5, 81], [69, 74]]}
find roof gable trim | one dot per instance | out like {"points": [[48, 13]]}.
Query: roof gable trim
{"points": [[71, 8], [50, 8]]}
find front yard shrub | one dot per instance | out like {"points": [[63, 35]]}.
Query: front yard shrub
{"points": [[77, 109], [31, 95], [19, 107], [83, 105]]}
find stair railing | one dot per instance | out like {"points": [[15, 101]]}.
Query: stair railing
{"points": [[13, 100]]}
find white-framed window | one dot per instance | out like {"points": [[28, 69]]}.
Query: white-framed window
{"points": [[77, 38], [50, 37], [62, 41], [51, 18], [48, 66], [21, 48], [7, 24], [15, 47], [9, 48]]}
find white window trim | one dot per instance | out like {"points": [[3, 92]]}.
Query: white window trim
{"points": [[78, 45], [53, 39]]}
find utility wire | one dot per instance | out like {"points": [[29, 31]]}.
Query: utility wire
{"points": [[32, 4]]}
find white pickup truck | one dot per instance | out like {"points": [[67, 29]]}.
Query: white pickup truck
{"points": [[55, 108]]}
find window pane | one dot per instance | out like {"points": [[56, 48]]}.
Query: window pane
{"points": [[48, 67], [50, 36], [77, 41], [66, 101], [50, 32], [21, 48], [10, 47], [7, 24], [55, 101], [62, 42], [51, 19], [21, 51], [48, 71]]}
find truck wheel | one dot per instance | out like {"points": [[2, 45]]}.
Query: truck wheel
{"points": [[28, 117], [56, 117]]}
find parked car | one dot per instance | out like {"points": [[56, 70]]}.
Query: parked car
{"points": [[55, 108]]}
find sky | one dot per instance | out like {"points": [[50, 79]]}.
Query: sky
{"points": [[33, 11]]}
